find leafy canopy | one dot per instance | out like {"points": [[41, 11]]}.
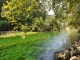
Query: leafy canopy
{"points": [[19, 12]]}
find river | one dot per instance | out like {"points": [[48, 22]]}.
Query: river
{"points": [[54, 44]]}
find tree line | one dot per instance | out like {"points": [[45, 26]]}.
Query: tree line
{"points": [[29, 16]]}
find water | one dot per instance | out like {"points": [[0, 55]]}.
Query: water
{"points": [[54, 44]]}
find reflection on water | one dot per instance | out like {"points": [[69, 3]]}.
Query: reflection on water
{"points": [[56, 43]]}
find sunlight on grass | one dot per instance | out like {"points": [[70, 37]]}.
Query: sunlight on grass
{"points": [[18, 34]]}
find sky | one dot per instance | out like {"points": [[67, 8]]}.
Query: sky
{"points": [[46, 4]]}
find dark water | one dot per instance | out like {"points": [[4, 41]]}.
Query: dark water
{"points": [[54, 44]]}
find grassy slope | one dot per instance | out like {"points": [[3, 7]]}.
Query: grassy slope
{"points": [[16, 48]]}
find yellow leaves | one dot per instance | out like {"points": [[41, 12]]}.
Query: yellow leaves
{"points": [[39, 10], [15, 28], [10, 9], [18, 13], [6, 1], [29, 8], [16, 10], [18, 18], [26, 10], [14, 7], [28, 16], [14, 21], [5, 6]]}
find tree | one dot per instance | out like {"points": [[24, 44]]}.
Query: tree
{"points": [[19, 12], [74, 13], [67, 11], [38, 24]]}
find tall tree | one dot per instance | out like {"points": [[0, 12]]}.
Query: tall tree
{"points": [[74, 13], [19, 12], [67, 11]]}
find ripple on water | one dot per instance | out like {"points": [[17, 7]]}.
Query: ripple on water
{"points": [[56, 43]]}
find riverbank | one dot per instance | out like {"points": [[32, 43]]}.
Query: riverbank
{"points": [[23, 48], [73, 53]]}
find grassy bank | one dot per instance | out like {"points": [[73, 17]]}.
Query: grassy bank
{"points": [[18, 48]]}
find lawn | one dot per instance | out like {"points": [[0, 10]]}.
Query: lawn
{"points": [[19, 48]]}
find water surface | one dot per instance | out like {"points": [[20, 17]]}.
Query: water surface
{"points": [[54, 44]]}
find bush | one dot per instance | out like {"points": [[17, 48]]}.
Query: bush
{"points": [[4, 26], [73, 35]]}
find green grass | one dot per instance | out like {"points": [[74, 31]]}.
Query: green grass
{"points": [[22, 51], [16, 48]]}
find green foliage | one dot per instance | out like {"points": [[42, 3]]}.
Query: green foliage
{"points": [[4, 25], [37, 24], [31, 15], [73, 35], [74, 13], [21, 12], [68, 11], [26, 28]]}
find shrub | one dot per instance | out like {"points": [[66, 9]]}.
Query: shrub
{"points": [[4, 26], [73, 35]]}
